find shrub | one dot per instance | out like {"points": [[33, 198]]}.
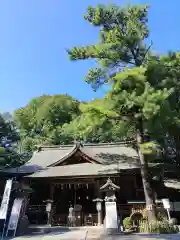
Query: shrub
{"points": [[136, 217], [157, 227], [145, 213], [127, 223]]}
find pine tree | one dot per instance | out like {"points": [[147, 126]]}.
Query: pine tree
{"points": [[122, 56]]}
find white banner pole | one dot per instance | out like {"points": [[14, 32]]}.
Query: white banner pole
{"points": [[5, 203], [14, 218]]}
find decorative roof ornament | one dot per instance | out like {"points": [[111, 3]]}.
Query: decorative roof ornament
{"points": [[109, 185]]}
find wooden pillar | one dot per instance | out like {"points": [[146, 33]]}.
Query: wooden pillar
{"points": [[75, 193], [98, 193], [52, 191]]}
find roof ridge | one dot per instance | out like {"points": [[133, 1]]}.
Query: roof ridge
{"points": [[58, 147], [107, 144]]}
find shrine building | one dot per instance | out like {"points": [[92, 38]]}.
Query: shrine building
{"points": [[73, 175]]}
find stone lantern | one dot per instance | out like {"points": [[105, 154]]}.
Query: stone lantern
{"points": [[48, 210], [111, 220], [98, 202]]}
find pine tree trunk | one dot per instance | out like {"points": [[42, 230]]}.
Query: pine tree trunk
{"points": [[148, 191]]}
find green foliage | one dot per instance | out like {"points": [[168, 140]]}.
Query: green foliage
{"points": [[151, 148], [121, 35], [57, 110], [123, 56], [8, 130], [29, 144], [133, 96], [9, 156], [10, 159], [95, 127], [157, 227], [127, 223], [42, 120], [46, 113], [85, 122]]}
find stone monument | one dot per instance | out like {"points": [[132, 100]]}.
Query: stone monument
{"points": [[111, 218]]}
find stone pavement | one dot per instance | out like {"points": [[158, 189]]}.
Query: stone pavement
{"points": [[93, 233], [82, 233]]}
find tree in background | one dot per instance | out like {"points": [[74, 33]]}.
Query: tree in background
{"points": [[93, 127], [123, 58], [42, 120], [9, 137], [59, 119]]}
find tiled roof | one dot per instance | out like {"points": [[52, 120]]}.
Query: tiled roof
{"points": [[83, 169], [111, 153], [103, 153], [48, 157]]}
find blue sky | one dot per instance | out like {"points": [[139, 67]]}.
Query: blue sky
{"points": [[35, 34]]}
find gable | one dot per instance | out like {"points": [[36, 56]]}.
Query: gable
{"points": [[77, 158]]}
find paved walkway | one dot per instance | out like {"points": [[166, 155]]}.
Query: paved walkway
{"points": [[82, 233], [93, 233]]}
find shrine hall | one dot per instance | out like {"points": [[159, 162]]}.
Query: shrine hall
{"points": [[73, 175]]}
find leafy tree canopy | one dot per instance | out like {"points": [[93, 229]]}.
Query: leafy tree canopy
{"points": [[45, 113], [9, 136]]}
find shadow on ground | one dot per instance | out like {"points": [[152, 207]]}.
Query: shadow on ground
{"points": [[55, 232], [142, 237], [157, 236]]}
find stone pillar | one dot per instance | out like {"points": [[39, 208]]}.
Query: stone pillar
{"points": [[111, 220], [99, 217]]}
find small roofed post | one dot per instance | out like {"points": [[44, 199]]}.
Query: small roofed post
{"points": [[111, 218]]}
